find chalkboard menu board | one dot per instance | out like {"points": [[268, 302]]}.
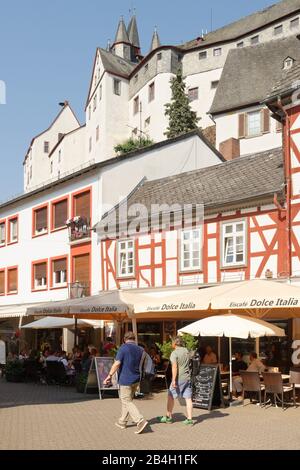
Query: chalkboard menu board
{"points": [[98, 372], [207, 388]]}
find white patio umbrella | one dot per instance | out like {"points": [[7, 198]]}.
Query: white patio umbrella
{"points": [[57, 322], [232, 326]]}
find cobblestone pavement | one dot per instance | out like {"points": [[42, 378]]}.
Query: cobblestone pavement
{"points": [[52, 417]]}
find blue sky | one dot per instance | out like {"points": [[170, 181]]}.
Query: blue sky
{"points": [[47, 49]]}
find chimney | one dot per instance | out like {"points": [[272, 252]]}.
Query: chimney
{"points": [[230, 148]]}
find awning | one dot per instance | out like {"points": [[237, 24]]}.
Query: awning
{"points": [[15, 311], [110, 305], [258, 298], [57, 322]]}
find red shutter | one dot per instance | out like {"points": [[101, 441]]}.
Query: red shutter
{"points": [[41, 216], [242, 125], [2, 282], [82, 205], [60, 265], [265, 121], [40, 270], [82, 269], [12, 280], [60, 213]]}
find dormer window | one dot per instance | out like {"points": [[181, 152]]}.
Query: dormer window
{"points": [[288, 63]]}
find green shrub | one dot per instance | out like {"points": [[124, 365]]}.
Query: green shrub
{"points": [[133, 144]]}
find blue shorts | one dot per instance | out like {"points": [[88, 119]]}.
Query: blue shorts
{"points": [[183, 390]]}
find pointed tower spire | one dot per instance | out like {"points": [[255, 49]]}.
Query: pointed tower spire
{"points": [[121, 35], [133, 33], [155, 43]]}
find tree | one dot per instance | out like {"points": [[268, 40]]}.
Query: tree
{"points": [[181, 117], [133, 144]]}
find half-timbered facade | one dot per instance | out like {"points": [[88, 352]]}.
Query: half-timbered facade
{"points": [[242, 236]]}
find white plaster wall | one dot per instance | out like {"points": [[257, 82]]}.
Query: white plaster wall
{"points": [[72, 153], [227, 126], [205, 94], [39, 160], [154, 109], [29, 249], [172, 159]]}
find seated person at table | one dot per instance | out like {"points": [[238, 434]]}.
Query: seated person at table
{"points": [[53, 356], [255, 366], [210, 357], [239, 363]]}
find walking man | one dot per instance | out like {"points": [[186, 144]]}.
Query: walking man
{"points": [[129, 363], [181, 382]]}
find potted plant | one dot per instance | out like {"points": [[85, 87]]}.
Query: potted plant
{"points": [[15, 371], [165, 349], [80, 382]]}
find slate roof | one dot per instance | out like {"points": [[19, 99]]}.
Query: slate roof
{"points": [[247, 24], [250, 72], [289, 81], [121, 34], [133, 33], [115, 64], [249, 177]]}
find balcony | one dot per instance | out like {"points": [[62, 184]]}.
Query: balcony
{"points": [[79, 229], [77, 290]]}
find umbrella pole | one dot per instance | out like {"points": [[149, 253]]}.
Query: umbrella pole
{"points": [[134, 329], [75, 334], [230, 367]]}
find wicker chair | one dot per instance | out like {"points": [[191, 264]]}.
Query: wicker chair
{"points": [[274, 386], [252, 384], [295, 382]]}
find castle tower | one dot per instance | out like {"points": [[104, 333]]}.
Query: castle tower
{"points": [[121, 45], [155, 43], [134, 39]]}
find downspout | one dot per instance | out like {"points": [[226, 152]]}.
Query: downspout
{"points": [[288, 179]]}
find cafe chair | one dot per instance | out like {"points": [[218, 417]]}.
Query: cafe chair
{"points": [[162, 373], [274, 386], [295, 383], [251, 384]]}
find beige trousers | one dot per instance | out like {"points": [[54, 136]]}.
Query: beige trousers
{"points": [[129, 409]]}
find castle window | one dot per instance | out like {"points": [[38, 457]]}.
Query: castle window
{"points": [[193, 94], [46, 147], [288, 63], [136, 78], [217, 52], [100, 92], [90, 144], [202, 55], [136, 103], [97, 133], [159, 56], [151, 92], [294, 23], [278, 30], [146, 68], [240, 44], [95, 102], [255, 40], [117, 86], [214, 84]]}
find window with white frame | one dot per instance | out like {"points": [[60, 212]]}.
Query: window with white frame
{"points": [[254, 123], [2, 233], [59, 272], [234, 243], [40, 276], [126, 258], [217, 52], [191, 250], [13, 230], [193, 94]]}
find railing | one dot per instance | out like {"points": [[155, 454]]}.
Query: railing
{"points": [[77, 289], [79, 228]]}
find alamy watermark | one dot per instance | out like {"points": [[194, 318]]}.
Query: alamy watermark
{"points": [[2, 92], [139, 219]]}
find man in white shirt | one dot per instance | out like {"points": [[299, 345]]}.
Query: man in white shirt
{"points": [[255, 366]]}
